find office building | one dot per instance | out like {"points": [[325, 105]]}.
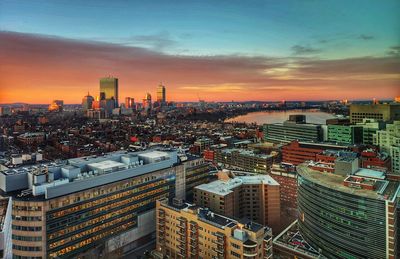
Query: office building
{"points": [[255, 197], [295, 129], [87, 102], [370, 127], [348, 216], [147, 104], [129, 102], [197, 172], [109, 89], [295, 153], [244, 159], [97, 204], [161, 96], [379, 112], [345, 134], [5, 228], [189, 231], [389, 141]]}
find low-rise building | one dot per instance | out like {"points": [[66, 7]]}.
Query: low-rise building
{"points": [[244, 159]]}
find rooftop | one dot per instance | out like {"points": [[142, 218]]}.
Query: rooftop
{"points": [[245, 152], [221, 187], [68, 176], [334, 181], [291, 239]]}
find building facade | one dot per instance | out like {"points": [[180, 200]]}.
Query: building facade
{"points": [[389, 141], [244, 159], [161, 94], [348, 216], [379, 112], [345, 134], [187, 231], [256, 197], [288, 131], [109, 89], [95, 206]]}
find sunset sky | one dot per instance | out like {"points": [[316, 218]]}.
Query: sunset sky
{"points": [[213, 50]]}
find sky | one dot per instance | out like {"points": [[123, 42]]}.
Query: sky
{"points": [[211, 50]]}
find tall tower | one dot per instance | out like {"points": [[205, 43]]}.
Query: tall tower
{"points": [[87, 102], [161, 94], [109, 86]]}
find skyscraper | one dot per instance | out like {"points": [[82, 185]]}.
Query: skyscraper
{"points": [[129, 102], [161, 99], [109, 86], [147, 102], [87, 102]]}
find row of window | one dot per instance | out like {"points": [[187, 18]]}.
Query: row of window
{"points": [[27, 248], [103, 200], [26, 208], [27, 238], [26, 228], [87, 242], [107, 208], [27, 218]]}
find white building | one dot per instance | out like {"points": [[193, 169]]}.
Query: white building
{"points": [[389, 141]]}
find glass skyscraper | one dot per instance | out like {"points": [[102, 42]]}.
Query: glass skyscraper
{"points": [[109, 86]]}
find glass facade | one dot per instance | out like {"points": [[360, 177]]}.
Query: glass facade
{"points": [[75, 228], [342, 225]]}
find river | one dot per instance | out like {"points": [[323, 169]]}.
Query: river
{"points": [[312, 116]]}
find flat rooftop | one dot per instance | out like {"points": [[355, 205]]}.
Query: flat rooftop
{"points": [[334, 181], [221, 187], [291, 239], [244, 152], [107, 164]]}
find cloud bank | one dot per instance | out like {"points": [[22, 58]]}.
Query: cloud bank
{"points": [[37, 69]]}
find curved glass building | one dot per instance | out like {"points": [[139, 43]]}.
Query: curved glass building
{"points": [[348, 216]]}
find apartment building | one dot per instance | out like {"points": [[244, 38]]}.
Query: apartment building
{"points": [[256, 197], [244, 159], [190, 231]]}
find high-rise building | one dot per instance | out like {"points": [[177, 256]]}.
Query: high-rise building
{"points": [[147, 105], [189, 231], [255, 197], [380, 112], [129, 102], [161, 97], [87, 102], [109, 86], [348, 216], [389, 141], [95, 204]]}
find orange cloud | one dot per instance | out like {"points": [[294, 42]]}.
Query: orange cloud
{"points": [[37, 69]]}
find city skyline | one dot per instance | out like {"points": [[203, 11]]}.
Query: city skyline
{"points": [[263, 51]]}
